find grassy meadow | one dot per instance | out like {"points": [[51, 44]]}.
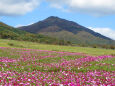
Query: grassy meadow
{"points": [[31, 45], [33, 64]]}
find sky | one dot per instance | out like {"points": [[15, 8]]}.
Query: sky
{"points": [[98, 15]]}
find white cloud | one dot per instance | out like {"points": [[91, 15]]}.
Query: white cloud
{"points": [[17, 7], [20, 25], [93, 7], [108, 32]]}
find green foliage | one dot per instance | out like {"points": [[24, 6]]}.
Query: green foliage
{"points": [[7, 32]]}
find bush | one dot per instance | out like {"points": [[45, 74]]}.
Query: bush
{"points": [[112, 47], [10, 44]]}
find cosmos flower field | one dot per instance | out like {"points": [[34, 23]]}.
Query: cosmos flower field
{"points": [[32, 67]]}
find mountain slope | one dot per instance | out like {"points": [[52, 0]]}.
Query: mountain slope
{"points": [[8, 32], [67, 30]]}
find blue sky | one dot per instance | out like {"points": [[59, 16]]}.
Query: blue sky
{"points": [[99, 19]]}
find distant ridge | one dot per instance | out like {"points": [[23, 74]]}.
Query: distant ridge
{"points": [[67, 30]]}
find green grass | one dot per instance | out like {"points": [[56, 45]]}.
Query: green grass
{"points": [[31, 45], [107, 65], [58, 59]]}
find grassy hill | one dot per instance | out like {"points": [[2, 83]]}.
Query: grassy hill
{"points": [[8, 32], [67, 30]]}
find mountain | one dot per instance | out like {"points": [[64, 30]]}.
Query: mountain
{"points": [[67, 30], [8, 32]]}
